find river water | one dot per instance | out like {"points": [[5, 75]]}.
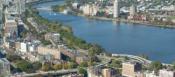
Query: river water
{"points": [[125, 38]]}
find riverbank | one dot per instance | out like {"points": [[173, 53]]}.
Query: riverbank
{"points": [[151, 41], [149, 23], [128, 21]]}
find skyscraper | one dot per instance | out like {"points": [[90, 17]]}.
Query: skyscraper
{"points": [[116, 10], [133, 10]]}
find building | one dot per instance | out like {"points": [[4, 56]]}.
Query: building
{"points": [[116, 10], [81, 59], [52, 36], [129, 69], [1, 11], [94, 72], [150, 74], [4, 67], [107, 72], [10, 27], [20, 6], [52, 51], [20, 28], [23, 47], [166, 73], [133, 10], [90, 9]]}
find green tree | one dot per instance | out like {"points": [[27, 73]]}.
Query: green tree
{"points": [[57, 67], [82, 71], [13, 58], [46, 67], [24, 65], [95, 50], [156, 65], [72, 65], [84, 64], [116, 63], [36, 65]]}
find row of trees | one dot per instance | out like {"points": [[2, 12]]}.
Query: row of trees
{"points": [[49, 66], [23, 65]]}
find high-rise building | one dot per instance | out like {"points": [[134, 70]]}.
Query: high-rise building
{"points": [[116, 11], [129, 69], [20, 6], [10, 27], [133, 10]]}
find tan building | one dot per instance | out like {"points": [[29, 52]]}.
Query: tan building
{"points": [[106, 72], [90, 9], [17, 46], [46, 50], [10, 26], [52, 36], [129, 69], [80, 59]]}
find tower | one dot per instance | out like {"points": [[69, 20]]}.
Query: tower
{"points": [[116, 10], [133, 10]]}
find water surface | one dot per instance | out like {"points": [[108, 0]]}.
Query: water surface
{"points": [[126, 38]]}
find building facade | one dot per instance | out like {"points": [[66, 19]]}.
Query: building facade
{"points": [[129, 69], [116, 11]]}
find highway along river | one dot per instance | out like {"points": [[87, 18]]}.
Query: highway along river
{"points": [[125, 38]]}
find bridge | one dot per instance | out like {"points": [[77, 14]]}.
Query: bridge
{"points": [[69, 71]]}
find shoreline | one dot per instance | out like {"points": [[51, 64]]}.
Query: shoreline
{"points": [[147, 23], [104, 18]]}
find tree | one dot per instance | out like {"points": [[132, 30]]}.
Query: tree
{"points": [[24, 65], [95, 50], [13, 58], [57, 67], [156, 65], [46, 67], [82, 71], [84, 64], [72, 65], [36, 65], [116, 63], [65, 66]]}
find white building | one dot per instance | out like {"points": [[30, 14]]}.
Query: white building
{"points": [[23, 47], [166, 73], [94, 72], [133, 10], [75, 5], [152, 74], [20, 6], [116, 11]]}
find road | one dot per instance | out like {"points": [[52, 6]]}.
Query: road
{"points": [[46, 73], [139, 59]]}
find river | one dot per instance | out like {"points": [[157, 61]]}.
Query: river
{"points": [[126, 38]]}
